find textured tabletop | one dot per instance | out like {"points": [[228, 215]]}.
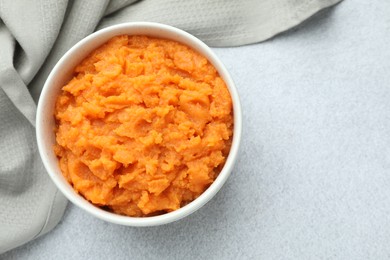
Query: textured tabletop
{"points": [[313, 176]]}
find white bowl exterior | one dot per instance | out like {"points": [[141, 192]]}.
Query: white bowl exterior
{"points": [[62, 72]]}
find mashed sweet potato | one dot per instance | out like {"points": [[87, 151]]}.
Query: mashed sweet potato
{"points": [[144, 126]]}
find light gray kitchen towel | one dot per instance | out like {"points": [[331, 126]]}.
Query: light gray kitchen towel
{"points": [[35, 34]]}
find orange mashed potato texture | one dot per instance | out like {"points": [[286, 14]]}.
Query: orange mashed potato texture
{"points": [[144, 126]]}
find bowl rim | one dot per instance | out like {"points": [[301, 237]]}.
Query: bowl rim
{"points": [[182, 212]]}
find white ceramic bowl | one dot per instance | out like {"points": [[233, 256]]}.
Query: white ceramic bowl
{"points": [[62, 73]]}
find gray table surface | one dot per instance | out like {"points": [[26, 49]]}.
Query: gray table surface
{"points": [[313, 176]]}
